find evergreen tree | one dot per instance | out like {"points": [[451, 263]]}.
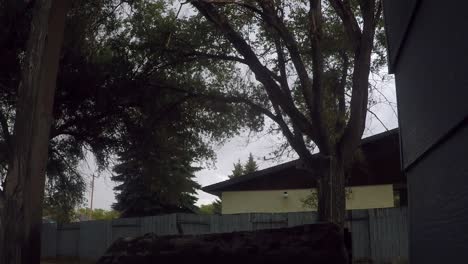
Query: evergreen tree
{"points": [[251, 165], [238, 170]]}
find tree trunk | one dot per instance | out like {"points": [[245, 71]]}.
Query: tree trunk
{"points": [[23, 194], [331, 193]]}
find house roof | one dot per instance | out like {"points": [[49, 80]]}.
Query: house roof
{"points": [[376, 167]]}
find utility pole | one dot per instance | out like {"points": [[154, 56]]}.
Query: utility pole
{"points": [[92, 194]]}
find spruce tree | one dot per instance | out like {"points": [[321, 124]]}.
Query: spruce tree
{"points": [[251, 165]]}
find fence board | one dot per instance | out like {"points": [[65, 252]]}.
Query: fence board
{"points": [[49, 240], [302, 218], [192, 224], [388, 234], [230, 223], [165, 225], [268, 221], [360, 234], [68, 236], [125, 227], [93, 239]]}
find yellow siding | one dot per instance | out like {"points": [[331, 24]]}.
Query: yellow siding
{"points": [[360, 197]]}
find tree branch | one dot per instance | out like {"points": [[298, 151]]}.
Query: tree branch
{"points": [[360, 82], [343, 9], [283, 78], [262, 74], [376, 116], [271, 18], [227, 99], [210, 56], [315, 35], [342, 85]]}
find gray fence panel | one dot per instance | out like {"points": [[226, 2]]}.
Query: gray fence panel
{"points": [[230, 223], [147, 225], [165, 225], [302, 218], [49, 240], [93, 239], [68, 237], [268, 221], [388, 234], [125, 227], [192, 224], [360, 234], [380, 234]]}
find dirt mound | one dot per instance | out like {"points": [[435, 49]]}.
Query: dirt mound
{"points": [[318, 243]]}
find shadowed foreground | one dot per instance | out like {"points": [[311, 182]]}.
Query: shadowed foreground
{"points": [[319, 243]]}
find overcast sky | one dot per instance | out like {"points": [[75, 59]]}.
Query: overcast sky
{"points": [[240, 147]]}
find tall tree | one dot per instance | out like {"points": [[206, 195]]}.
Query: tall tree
{"points": [[251, 165], [311, 61], [22, 196]]}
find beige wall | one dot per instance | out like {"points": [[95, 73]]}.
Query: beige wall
{"points": [[360, 197]]}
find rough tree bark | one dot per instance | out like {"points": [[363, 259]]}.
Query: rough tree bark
{"points": [[22, 197]]}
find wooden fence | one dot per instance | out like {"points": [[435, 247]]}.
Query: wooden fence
{"points": [[379, 235]]}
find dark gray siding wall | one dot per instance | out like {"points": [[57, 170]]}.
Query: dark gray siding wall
{"points": [[438, 200], [431, 68], [431, 74]]}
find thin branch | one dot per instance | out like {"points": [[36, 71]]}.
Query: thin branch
{"points": [[209, 56], [389, 103], [376, 116], [271, 18], [226, 99]]}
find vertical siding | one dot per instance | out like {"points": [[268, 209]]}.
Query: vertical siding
{"points": [[192, 224], [360, 234], [388, 234]]}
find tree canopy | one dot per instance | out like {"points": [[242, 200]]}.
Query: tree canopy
{"points": [[119, 97]]}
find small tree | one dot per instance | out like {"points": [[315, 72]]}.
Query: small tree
{"points": [[250, 166], [238, 170]]}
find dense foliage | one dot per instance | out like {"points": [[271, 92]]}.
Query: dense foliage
{"points": [[213, 208], [119, 97]]}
